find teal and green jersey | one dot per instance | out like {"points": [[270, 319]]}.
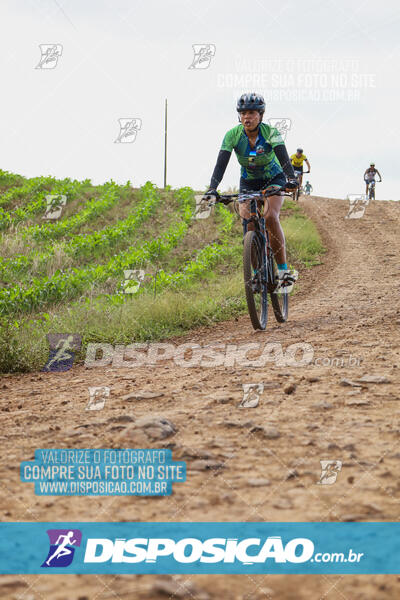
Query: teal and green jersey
{"points": [[260, 162]]}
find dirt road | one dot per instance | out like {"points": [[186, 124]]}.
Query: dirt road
{"points": [[265, 460]]}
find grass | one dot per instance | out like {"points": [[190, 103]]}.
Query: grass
{"points": [[303, 243], [47, 258], [216, 296], [140, 318]]}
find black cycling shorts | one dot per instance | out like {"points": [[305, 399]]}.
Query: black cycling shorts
{"points": [[255, 185], [298, 169]]}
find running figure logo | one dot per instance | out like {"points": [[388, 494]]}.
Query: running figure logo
{"points": [[203, 208], [62, 351], [283, 125], [128, 129], [203, 54], [133, 280], [50, 53], [251, 395], [97, 397], [61, 551], [55, 204], [286, 289], [358, 204], [329, 471]]}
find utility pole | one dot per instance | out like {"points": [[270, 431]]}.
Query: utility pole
{"points": [[165, 146]]}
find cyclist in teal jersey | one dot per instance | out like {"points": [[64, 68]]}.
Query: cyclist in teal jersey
{"points": [[264, 161], [308, 188]]}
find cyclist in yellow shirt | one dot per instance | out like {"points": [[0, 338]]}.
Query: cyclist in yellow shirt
{"points": [[297, 162]]}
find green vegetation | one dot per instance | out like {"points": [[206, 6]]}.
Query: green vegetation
{"points": [[302, 240], [8, 180], [73, 280], [93, 208]]}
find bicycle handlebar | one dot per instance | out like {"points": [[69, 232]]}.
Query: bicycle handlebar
{"points": [[247, 196]]}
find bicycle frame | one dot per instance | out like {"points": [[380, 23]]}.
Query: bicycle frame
{"points": [[371, 188], [260, 273], [257, 217]]}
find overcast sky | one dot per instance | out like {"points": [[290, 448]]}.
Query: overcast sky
{"points": [[330, 67]]}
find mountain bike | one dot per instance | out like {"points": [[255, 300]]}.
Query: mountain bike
{"points": [[298, 191], [371, 189], [260, 268]]}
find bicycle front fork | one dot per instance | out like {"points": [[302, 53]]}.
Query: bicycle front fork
{"points": [[245, 222]]}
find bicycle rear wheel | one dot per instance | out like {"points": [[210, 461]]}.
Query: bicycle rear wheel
{"points": [[280, 297], [254, 272]]}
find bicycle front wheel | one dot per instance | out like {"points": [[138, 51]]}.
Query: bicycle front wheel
{"points": [[279, 297], [255, 285]]}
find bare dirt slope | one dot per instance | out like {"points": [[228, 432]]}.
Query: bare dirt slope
{"points": [[347, 306]]}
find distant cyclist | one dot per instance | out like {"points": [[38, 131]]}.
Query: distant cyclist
{"points": [[264, 161], [297, 162], [370, 174], [308, 188]]}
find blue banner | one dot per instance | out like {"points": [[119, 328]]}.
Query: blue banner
{"points": [[200, 548]]}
